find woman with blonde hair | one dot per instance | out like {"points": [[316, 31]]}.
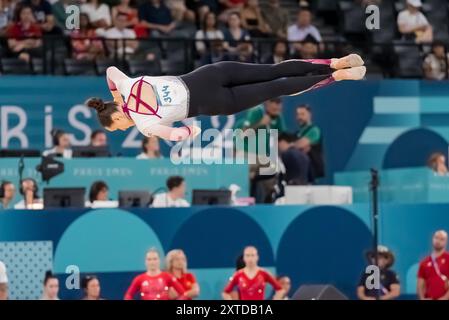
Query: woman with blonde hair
{"points": [[176, 264], [154, 284]]}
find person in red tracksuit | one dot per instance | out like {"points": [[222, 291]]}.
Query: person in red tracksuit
{"points": [[154, 284], [433, 273], [251, 280]]}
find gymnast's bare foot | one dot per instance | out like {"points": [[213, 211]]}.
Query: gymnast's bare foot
{"points": [[356, 73], [350, 61]]}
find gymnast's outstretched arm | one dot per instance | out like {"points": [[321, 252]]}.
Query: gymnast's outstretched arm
{"points": [[170, 133]]}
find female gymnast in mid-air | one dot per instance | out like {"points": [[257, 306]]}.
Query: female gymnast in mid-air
{"points": [[154, 103]]}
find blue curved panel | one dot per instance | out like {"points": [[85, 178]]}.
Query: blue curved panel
{"points": [[221, 234], [413, 148], [108, 240], [324, 245]]}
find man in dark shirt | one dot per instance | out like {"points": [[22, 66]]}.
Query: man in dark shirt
{"points": [[155, 15], [389, 283], [44, 16], [295, 161]]}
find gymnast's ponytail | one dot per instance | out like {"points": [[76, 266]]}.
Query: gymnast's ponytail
{"points": [[105, 110]]}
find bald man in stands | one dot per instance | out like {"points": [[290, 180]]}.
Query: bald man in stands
{"points": [[433, 274]]}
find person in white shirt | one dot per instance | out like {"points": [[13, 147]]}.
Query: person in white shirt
{"points": [[175, 195], [61, 145], [209, 31], [99, 196], [303, 27], [120, 31], [413, 23], [29, 190], [436, 64], [150, 148], [3, 282], [99, 13]]}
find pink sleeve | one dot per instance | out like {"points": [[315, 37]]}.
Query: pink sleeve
{"points": [[168, 133]]}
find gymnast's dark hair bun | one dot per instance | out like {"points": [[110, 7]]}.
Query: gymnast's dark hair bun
{"points": [[96, 103]]}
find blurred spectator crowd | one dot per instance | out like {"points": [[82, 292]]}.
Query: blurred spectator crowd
{"points": [[174, 36]]}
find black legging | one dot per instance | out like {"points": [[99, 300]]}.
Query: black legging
{"points": [[226, 88]]}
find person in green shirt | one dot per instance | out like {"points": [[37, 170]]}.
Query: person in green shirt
{"points": [[262, 117], [267, 116], [310, 139]]}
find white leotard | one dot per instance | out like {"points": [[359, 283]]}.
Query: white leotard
{"points": [[172, 96]]}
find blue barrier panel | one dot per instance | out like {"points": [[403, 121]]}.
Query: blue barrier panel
{"points": [[133, 174], [412, 185], [323, 244]]}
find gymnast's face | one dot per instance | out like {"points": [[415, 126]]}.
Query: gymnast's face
{"points": [[120, 122], [152, 261], [251, 257]]}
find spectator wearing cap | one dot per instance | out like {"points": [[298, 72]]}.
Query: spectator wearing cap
{"points": [[413, 24], [433, 272], [389, 287], [436, 63], [3, 282]]}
